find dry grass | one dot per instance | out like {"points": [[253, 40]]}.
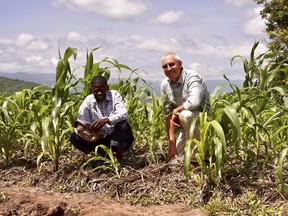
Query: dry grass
{"points": [[243, 187]]}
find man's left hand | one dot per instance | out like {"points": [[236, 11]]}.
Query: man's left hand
{"points": [[176, 121], [98, 124]]}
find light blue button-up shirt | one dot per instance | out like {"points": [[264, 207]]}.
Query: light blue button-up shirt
{"points": [[190, 90]]}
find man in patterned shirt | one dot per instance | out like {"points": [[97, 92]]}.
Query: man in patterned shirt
{"points": [[186, 94], [102, 119]]}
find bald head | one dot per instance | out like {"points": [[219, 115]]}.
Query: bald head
{"points": [[176, 57]]}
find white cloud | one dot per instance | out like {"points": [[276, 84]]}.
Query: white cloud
{"points": [[10, 67], [169, 17], [76, 37], [207, 71], [199, 48], [115, 9], [6, 41], [54, 60], [240, 3], [205, 49], [37, 63], [18, 62], [37, 46], [25, 41], [34, 59], [154, 44], [255, 26]]}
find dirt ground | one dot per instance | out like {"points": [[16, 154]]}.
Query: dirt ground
{"points": [[25, 192], [36, 201], [143, 189]]}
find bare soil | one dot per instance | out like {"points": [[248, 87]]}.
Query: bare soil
{"points": [[143, 190], [38, 201]]}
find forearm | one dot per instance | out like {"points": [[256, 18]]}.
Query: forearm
{"points": [[179, 109], [115, 118]]}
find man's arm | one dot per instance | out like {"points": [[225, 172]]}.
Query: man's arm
{"points": [[195, 92], [120, 111]]}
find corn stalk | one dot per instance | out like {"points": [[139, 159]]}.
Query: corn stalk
{"points": [[54, 134]]}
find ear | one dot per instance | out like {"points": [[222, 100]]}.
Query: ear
{"points": [[90, 90]]}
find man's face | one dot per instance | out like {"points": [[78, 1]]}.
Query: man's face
{"points": [[99, 90], [171, 67]]}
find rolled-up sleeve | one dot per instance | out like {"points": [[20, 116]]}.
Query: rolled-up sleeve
{"points": [[195, 92], [119, 110]]}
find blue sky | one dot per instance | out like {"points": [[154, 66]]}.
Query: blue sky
{"points": [[206, 34]]}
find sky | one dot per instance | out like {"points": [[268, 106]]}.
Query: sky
{"points": [[205, 34]]}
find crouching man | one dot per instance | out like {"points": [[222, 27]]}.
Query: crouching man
{"points": [[102, 119], [187, 93]]}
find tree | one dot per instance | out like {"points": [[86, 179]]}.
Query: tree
{"points": [[275, 12]]}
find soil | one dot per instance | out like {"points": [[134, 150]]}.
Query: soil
{"points": [[73, 191], [37, 201]]}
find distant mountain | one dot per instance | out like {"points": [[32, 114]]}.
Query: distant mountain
{"points": [[211, 84], [10, 86], [49, 79], [42, 78]]}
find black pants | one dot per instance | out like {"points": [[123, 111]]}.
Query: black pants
{"points": [[122, 136]]}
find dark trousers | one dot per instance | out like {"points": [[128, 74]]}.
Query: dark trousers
{"points": [[122, 136]]}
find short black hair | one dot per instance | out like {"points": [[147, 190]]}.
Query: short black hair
{"points": [[99, 79]]}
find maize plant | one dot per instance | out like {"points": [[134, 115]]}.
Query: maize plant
{"points": [[11, 127], [109, 160], [136, 97], [209, 150], [54, 127], [156, 117]]}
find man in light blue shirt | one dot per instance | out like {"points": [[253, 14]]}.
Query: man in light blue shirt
{"points": [[187, 93]]}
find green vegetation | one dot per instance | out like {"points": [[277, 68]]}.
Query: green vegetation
{"points": [[244, 134], [10, 86]]}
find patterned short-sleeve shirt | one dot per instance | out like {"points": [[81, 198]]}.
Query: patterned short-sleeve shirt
{"points": [[112, 107]]}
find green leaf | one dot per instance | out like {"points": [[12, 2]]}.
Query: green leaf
{"points": [[279, 168]]}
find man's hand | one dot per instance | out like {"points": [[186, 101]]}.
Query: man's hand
{"points": [[98, 124], [176, 121]]}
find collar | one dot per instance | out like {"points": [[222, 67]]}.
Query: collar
{"points": [[180, 80]]}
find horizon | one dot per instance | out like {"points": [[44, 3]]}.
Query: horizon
{"points": [[49, 79]]}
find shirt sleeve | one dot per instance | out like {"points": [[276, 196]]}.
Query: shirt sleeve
{"points": [[119, 110], [195, 92], [84, 112]]}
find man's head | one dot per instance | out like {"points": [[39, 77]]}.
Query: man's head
{"points": [[99, 88], [172, 66]]}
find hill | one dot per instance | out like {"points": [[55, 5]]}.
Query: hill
{"points": [[43, 78], [10, 86]]}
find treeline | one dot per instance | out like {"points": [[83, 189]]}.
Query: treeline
{"points": [[9, 86]]}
